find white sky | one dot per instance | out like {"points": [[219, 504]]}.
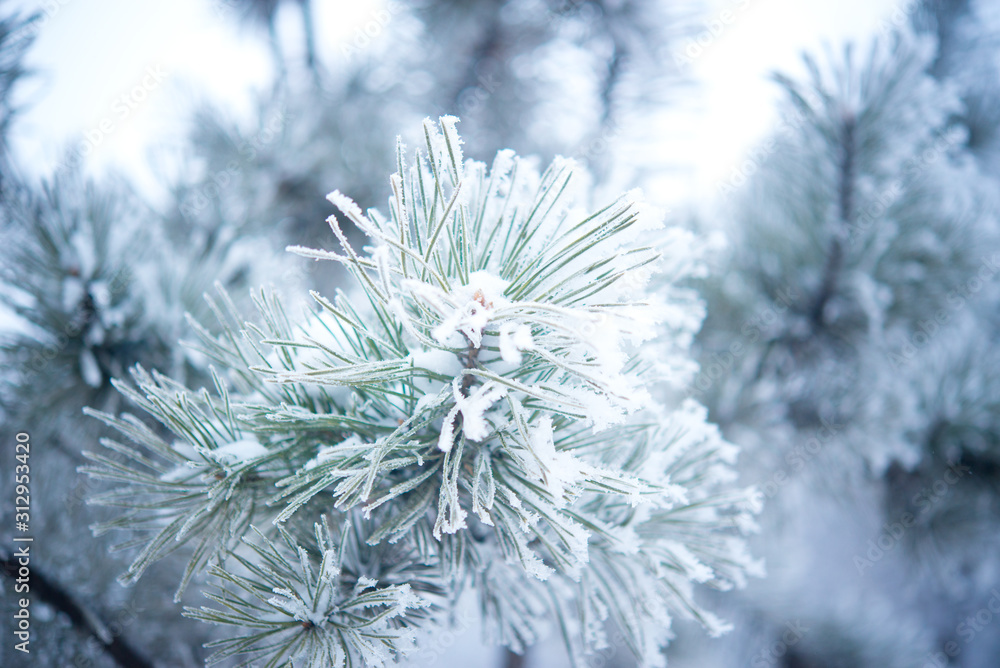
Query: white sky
{"points": [[91, 52], [737, 104]]}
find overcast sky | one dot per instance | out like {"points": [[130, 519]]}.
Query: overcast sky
{"points": [[91, 53]]}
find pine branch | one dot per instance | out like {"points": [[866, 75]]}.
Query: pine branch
{"points": [[452, 411], [845, 211], [84, 620]]}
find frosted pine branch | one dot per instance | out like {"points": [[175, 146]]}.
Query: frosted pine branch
{"points": [[483, 403]]}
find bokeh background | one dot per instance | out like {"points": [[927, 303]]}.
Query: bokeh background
{"points": [[841, 158]]}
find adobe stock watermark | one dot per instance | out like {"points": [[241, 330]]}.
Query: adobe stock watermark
{"points": [[474, 97], [600, 658], [752, 329], [873, 211], [597, 146], [893, 532], [928, 329], [758, 155], [75, 328], [106, 635], [371, 30], [715, 27], [967, 630], [898, 18], [912, 168], [45, 11], [121, 108], [434, 649], [199, 199], [795, 460], [772, 654], [565, 8]]}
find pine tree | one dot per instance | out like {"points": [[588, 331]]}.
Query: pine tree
{"points": [[507, 79], [90, 285], [265, 12], [865, 218], [71, 319], [16, 35], [839, 349], [965, 32], [95, 290], [444, 426], [243, 192]]}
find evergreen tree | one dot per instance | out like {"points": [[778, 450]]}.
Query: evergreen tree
{"points": [[92, 284], [443, 426], [491, 393], [112, 278], [505, 68], [864, 219], [96, 290], [839, 348], [265, 12]]}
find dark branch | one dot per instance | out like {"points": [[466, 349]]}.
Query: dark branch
{"points": [[513, 660], [471, 362], [58, 598], [845, 205], [487, 47]]}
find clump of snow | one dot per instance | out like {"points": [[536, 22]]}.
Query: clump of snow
{"points": [[237, 452], [406, 599], [435, 361], [513, 339], [179, 473], [327, 451], [468, 309], [559, 471], [89, 370], [473, 408], [85, 251], [184, 449], [317, 330], [73, 291], [293, 604], [321, 327]]}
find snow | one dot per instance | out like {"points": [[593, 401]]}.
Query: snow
{"points": [[690, 565], [559, 471], [437, 361], [465, 331], [321, 327], [95, 334], [73, 291], [599, 410], [327, 451], [82, 242], [329, 568], [470, 308], [513, 339], [89, 370], [347, 205], [237, 452], [473, 409], [293, 604], [629, 541], [441, 147]]}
